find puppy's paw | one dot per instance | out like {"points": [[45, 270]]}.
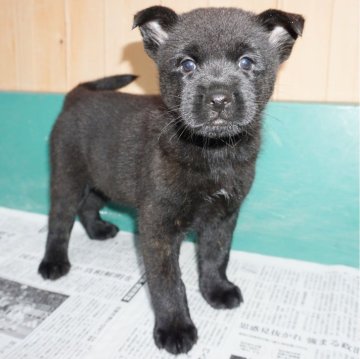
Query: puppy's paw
{"points": [[224, 296], [175, 338], [101, 230], [53, 269]]}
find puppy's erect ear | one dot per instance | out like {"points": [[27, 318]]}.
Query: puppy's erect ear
{"points": [[284, 28], [155, 23]]}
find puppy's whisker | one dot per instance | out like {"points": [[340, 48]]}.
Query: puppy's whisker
{"points": [[168, 126]]}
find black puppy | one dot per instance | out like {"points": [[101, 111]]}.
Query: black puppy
{"points": [[185, 160]]}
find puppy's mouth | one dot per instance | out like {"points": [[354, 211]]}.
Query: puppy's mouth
{"points": [[219, 122], [216, 128]]}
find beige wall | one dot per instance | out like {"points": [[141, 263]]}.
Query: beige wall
{"points": [[51, 45]]}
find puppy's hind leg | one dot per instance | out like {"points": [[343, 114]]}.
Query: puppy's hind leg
{"points": [[95, 227], [67, 188]]}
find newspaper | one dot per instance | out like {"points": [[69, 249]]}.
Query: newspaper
{"points": [[101, 309]]}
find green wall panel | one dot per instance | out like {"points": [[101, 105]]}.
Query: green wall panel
{"points": [[304, 203]]}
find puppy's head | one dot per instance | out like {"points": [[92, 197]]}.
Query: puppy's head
{"points": [[217, 67]]}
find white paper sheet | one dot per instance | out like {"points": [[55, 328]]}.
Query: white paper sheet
{"points": [[101, 309]]}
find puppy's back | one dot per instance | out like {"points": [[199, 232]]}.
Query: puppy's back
{"points": [[106, 132]]}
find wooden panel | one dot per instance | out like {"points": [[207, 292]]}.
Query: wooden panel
{"points": [[185, 5], [255, 6], [304, 76], [7, 45], [24, 54], [51, 45], [85, 40], [343, 69], [37, 51], [124, 51]]}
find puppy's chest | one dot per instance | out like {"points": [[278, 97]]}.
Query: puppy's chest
{"points": [[224, 188], [221, 194], [205, 184]]}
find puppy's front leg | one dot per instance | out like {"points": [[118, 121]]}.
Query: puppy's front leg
{"points": [[214, 248], [160, 243]]}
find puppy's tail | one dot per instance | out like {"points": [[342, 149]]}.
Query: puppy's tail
{"points": [[108, 83]]}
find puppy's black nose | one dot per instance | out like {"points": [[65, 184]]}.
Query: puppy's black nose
{"points": [[218, 101]]}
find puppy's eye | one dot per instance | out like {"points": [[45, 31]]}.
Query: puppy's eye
{"points": [[188, 65], [246, 63]]}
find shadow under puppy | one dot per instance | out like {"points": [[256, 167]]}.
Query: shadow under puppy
{"points": [[185, 160]]}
